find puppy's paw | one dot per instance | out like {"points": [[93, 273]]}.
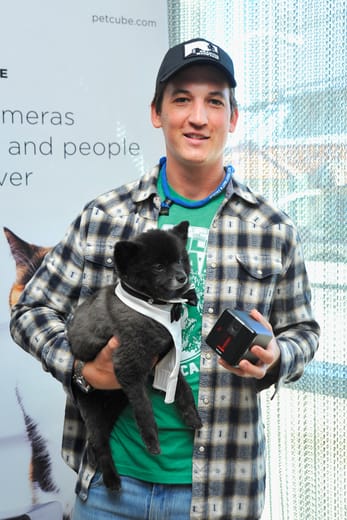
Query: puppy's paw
{"points": [[152, 444], [109, 472], [153, 447], [112, 480], [192, 419]]}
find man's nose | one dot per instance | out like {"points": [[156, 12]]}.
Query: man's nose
{"points": [[198, 113]]}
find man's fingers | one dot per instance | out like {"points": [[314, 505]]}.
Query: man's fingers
{"points": [[113, 343], [256, 315]]}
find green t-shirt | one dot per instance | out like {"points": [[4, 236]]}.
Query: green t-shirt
{"points": [[174, 464]]}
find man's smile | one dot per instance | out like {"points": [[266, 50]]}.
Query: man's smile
{"points": [[195, 136]]}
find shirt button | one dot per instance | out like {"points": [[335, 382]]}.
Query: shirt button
{"points": [[202, 449], [259, 271], [210, 310], [205, 400], [213, 265], [109, 260], [208, 356]]}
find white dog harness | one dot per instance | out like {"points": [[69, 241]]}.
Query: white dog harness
{"points": [[167, 369]]}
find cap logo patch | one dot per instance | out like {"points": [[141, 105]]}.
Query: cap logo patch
{"points": [[201, 48]]}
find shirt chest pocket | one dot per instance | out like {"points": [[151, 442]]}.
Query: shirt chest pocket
{"points": [[257, 277], [98, 266]]}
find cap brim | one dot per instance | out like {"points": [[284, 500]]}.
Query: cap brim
{"points": [[195, 61]]}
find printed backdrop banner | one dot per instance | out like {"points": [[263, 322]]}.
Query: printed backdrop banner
{"points": [[76, 82]]}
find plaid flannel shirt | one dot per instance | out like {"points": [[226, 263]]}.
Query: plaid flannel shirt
{"points": [[254, 260]]}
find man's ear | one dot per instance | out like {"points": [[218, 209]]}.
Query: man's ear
{"points": [[233, 120], [155, 117]]}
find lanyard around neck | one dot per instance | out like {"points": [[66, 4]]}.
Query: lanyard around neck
{"points": [[171, 199]]}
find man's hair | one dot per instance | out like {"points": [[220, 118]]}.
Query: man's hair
{"points": [[159, 94]]}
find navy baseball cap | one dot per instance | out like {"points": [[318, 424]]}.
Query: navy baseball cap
{"points": [[197, 50]]}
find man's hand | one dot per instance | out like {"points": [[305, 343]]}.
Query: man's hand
{"points": [[99, 373], [268, 358]]}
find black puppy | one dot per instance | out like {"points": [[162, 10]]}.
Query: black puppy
{"points": [[153, 271]]}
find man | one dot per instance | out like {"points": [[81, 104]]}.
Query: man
{"points": [[244, 253]]}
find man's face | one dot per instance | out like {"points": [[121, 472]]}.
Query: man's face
{"points": [[196, 116]]}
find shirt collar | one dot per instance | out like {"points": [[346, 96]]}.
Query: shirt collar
{"points": [[242, 191], [147, 188]]}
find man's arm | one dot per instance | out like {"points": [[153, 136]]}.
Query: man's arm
{"points": [[38, 319]]}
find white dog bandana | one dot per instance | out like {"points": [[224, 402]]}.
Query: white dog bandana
{"points": [[167, 369]]}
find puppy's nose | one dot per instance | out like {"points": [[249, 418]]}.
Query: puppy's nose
{"points": [[181, 277]]}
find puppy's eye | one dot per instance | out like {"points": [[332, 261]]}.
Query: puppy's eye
{"points": [[158, 267]]}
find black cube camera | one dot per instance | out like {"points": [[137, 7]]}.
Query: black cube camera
{"points": [[234, 333]]}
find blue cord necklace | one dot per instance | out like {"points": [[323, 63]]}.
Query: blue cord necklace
{"points": [[170, 199]]}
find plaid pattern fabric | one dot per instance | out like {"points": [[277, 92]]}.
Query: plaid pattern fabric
{"points": [[254, 259]]}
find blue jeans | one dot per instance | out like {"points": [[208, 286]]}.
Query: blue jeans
{"points": [[137, 500]]}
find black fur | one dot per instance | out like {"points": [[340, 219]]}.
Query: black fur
{"points": [[156, 264]]}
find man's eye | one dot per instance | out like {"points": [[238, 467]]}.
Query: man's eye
{"points": [[181, 100], [217, 102]]}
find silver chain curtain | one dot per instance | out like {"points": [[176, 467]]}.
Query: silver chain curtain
{"points": [[291, 62]]}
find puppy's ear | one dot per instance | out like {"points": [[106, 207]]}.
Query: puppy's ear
{"points": [[124, 252], [182, 230]]}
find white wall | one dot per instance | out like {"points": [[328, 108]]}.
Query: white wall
{"points": [[76, 82]]}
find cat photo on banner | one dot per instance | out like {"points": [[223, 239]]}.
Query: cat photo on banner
{"points": [[38, 483]]}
